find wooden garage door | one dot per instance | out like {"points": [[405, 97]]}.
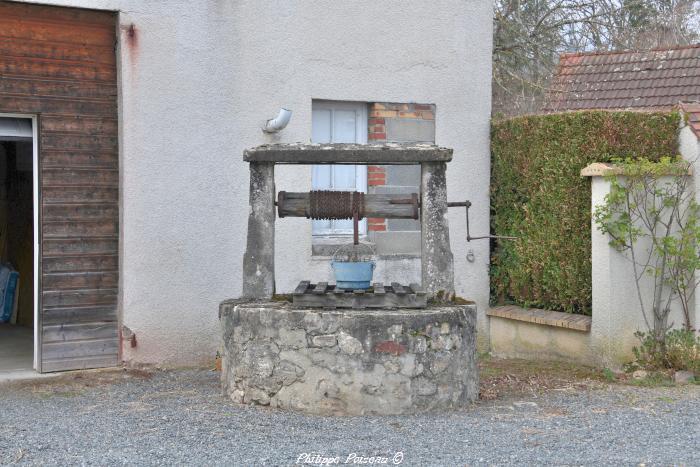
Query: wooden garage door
{"points": [[60, 64]]}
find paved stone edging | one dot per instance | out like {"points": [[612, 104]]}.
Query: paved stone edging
{"points": [[546, 317]]}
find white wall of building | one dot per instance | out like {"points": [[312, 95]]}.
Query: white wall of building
{"points": [[197, 81]]}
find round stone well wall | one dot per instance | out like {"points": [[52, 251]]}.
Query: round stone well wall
{"points": [[349, 362]]}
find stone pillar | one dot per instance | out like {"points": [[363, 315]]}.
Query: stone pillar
{"points": [[259, 258], [437, 267]]}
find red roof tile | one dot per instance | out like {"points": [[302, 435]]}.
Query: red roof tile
{"points": [[641, 80], [692, 110]]}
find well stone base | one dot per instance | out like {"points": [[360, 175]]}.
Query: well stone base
{"points": [[350, 362]]}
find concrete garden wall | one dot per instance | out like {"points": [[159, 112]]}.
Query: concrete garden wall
{"points": [[539, 334]]}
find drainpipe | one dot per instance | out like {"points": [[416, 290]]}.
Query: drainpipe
{"points": [[278, 123]]}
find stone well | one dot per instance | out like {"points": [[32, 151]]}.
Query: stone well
{"points": [[350, 362]]}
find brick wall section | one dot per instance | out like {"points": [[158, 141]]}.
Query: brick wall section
{"points": [[376, 175], [379, 112], [376, 224], [377, 128], [382, 110]]}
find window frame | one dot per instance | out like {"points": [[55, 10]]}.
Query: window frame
{"points": [[361, 137]]}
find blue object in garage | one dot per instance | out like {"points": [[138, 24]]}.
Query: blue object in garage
{"points": [[9, 279]]}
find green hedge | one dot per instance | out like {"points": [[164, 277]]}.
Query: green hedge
{"points": [[538, 195]]}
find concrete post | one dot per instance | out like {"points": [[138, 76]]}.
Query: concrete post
{"points": [[605, 334], [437, 265], [259, 258], [689, 148], [617, 313]]}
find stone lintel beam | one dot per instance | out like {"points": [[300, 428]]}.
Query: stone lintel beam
{"points": [[259, 258], [437, 264], [385, 154]]}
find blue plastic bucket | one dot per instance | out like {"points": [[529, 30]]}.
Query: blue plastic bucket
{"points": [[353, 274]]}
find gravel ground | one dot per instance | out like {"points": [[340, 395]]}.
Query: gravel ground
{"points": [[179, 417]]}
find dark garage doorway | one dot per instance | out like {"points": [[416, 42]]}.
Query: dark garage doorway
{"points": [[18, 260]]}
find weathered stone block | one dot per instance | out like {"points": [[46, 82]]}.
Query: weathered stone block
{"points": [[288, 372], [320, 323], [294, 338], [325, 340], [349, 344], [425, 387], [392, 366], [352, 362]]}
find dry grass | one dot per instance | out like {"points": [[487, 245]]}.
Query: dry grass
{"points": [[74, 383], [506, 378]]}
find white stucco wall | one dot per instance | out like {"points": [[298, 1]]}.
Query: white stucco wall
{"points": [[197, 82]]}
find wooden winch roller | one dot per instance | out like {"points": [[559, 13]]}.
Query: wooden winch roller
{"points": [[325, 204]]}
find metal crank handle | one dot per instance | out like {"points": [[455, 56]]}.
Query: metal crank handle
{"points": [[467, 204]]}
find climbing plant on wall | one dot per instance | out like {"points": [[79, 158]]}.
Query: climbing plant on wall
{"points": [[538, 195]]}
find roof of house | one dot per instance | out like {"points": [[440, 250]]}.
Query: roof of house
{"points": [[653, 79]]}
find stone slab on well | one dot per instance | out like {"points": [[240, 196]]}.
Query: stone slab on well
{"points": [[352, 362], [384, 154]]}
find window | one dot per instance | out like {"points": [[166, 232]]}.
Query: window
{"points": [[339, 122]]}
